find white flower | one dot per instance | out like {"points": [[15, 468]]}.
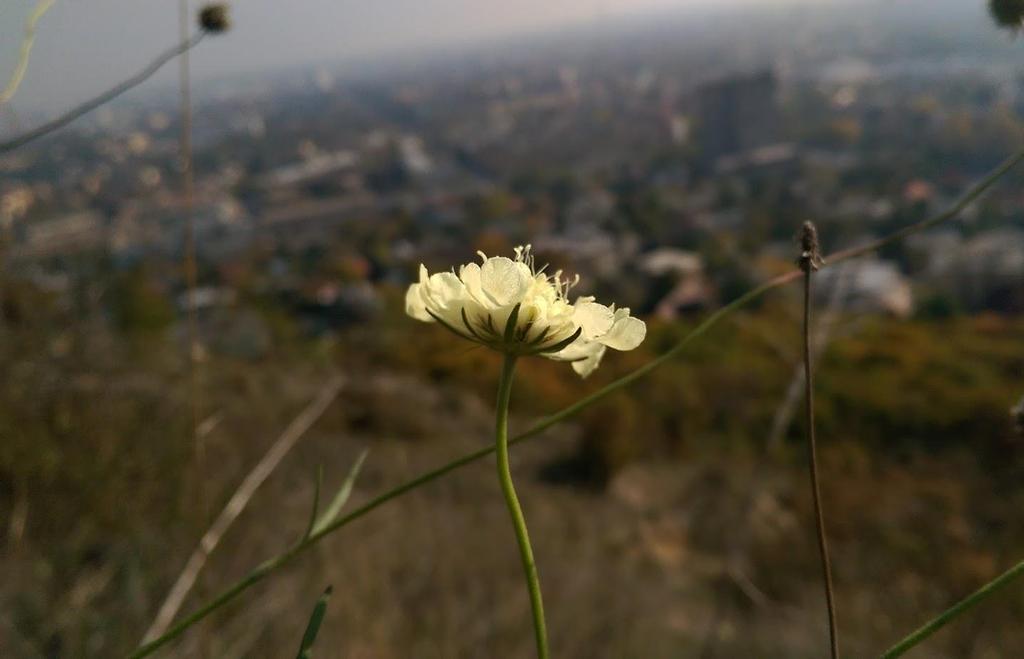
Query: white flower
{"points": [[509, 306]]}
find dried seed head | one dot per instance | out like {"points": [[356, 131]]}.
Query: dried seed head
{"points": [[1007, 13], [214, 18], [810, 254]]}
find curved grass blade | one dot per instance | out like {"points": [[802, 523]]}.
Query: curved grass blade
{"points": [[238, 502], [940, 621], [26, 50], [339, 500], [313, 627], [316, 501]]}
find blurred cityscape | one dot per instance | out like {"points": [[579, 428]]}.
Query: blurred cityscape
{"points": [[633, 155], [669, 163]]}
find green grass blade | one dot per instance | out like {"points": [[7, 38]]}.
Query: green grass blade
{"points": [[940, 621], [313, 627], [316, 502], [344, 492]]}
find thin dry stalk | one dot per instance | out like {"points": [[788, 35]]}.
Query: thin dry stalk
{"points": [[188, 203], [780, 424], [781, 421], [810, 260], [105, 97], [239, 500], [784, 412]]}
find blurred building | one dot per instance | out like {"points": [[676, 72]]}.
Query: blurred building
{"points": [[737, 115], [677, 281], [69, 233], [872, 286]]}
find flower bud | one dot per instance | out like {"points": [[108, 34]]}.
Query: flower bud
{"points": [[810, 254]]}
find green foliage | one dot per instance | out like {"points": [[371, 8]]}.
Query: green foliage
{"points": [[313, 627], [922, 384], [909, 385], [138, 304], [340, 498], [938, 306]]}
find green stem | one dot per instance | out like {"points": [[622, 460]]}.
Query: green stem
{"points": [[515, 511], [963, 605], [259, 573]]}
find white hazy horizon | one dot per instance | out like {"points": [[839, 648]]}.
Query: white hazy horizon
{"points": [[84, 46]]}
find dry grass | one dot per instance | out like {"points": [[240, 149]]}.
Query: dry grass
{"points": [[637, 572], [708, 555]]}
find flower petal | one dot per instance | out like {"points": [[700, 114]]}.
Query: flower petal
{"points": [[503, 281], [444, 288], [414, 305], [626, 333], [584, 355], [595, 319], [470, 276], [587, 366], [590, 361]]}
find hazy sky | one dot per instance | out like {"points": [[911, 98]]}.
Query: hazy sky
{"points": [[83, 46]]}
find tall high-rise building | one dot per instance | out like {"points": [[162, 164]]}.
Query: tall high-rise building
{"points": [[736, 115]]}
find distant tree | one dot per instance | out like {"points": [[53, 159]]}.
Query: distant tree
{"points": [[138, 305], [938, 306]]}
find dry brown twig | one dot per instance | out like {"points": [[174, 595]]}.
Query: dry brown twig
{"points": [[105, 97], [810, 260], [734, 568], [213, 19], [237, 503], [783, 417]]}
